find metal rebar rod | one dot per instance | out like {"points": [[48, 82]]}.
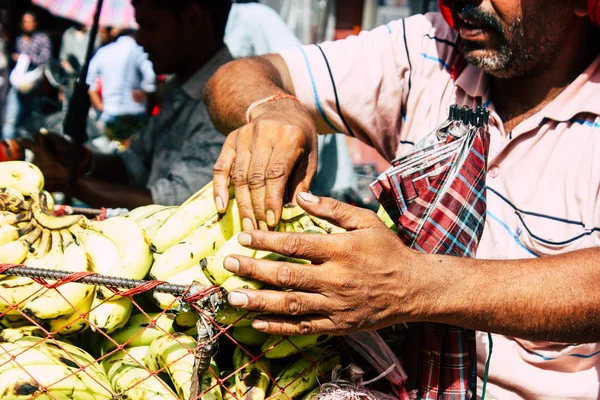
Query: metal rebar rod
{"points": [[102, 280]]}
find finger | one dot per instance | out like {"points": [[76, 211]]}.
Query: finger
{"points": [[314, 247], [285, 159], [256, 178], [239, 177], [338, 213], [222, 172], [282, 274], [303, 175], [277, 302], [285, 326]]}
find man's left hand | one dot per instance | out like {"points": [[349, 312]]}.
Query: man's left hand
{"points": [[363, 279]]}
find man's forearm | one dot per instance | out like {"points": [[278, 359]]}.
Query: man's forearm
{"points": [[96, 101], [238, 84], [98, 193], [551, 298], [108, 168]]}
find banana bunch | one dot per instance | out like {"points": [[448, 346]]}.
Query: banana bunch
{"points": [[31, 367]]}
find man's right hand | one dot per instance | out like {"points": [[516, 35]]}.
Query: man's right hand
{"points": [[273, 156]]}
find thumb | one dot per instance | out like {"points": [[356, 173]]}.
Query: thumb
{"points": [[338, 213]]}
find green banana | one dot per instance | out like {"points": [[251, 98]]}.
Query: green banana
{"points": [[200, 243], [277, 346], [251, 377], [229, 315], [249, 336], [186, 318], [311, 395], [302, 375], [140, 331], [175, 354], [290, 212]]}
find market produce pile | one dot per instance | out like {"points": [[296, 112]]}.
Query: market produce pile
{"points": [[69, 340]]}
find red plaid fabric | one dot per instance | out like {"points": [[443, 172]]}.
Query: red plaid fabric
{"points": [[437, 196]]}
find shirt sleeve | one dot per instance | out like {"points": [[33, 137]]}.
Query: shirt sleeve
{"points": [[201, 146], [360, 86], [148, 83], [64, 46], [94, 71]]}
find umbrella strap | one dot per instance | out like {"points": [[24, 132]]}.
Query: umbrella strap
{"points": [[487, 367]]}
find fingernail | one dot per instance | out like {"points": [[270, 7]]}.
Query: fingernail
{"points": [[309, 198], [245, 239], [271, 218], [247, 224], [220, 205], [231, 265], [262, 225], [237, 300], [260, 325]]}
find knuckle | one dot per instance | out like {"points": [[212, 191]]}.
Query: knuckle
{"points": [[293, 305], [276, 171], [286, 277], [306, 328], [260, 303], [256, 180], [239, 177], [291, 245]]}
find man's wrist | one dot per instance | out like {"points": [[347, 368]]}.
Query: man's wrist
{"points": [[285, 110]]}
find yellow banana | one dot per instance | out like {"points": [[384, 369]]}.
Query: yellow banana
{"points": [[16, 252], [251, 377], [12, 201], [175, 354], [213, 265], [140, 331], [76, 322], [111, 314], [8, 233], [47, 220], [22, 176], [290, 212], [153, 222], [140, 213], [131, 379], [9, 218], [209, 386], [103, 252], [188, 276], [202, 242]]}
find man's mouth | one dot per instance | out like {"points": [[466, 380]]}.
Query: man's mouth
{"points": [[473, 30]]}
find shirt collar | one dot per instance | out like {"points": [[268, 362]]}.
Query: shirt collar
{"points": [[581, 96], [473, 81], [194, 86]]}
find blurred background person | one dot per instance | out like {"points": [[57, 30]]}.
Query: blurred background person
{"points": [[73, 47], [33, 50], [4, 63], [127, 79]]}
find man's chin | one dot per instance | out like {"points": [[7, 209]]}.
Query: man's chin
{"points": [[491, 62]]}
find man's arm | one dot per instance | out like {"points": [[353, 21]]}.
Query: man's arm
{"points": [[96, 100], [368, 279], [275, 152]]}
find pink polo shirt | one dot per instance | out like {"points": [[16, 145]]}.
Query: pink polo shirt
{"points": [[391, 86]]}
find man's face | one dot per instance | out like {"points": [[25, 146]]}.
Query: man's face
{"points": [[28, 24], [508, 38], [163, 35]]}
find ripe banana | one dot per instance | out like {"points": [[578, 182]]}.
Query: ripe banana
{"points": [[76, 322], [251, 377], [302, 375], [11, 335], [47, 220], [64, 300], [12, 201], [175, 354], [16, 252], [153, 222], [189, 276], [8, 233], [200, 243], [130, 378], [133, 246], [189, 216], [60, 382], [22, 176], [213, 265], [140, 213], [13, 321], [9, 218], [279, 347], [103, 253], [249, 336], [111, 314], [229, 387], [209, 385], [140, 331]]}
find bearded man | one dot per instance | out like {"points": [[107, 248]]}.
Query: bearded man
{"points": [[535, 283]]}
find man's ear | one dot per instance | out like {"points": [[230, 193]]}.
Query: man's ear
{"points": [[580, 8]]}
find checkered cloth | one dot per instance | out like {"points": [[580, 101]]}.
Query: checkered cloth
{"points": [[436, 195]]}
